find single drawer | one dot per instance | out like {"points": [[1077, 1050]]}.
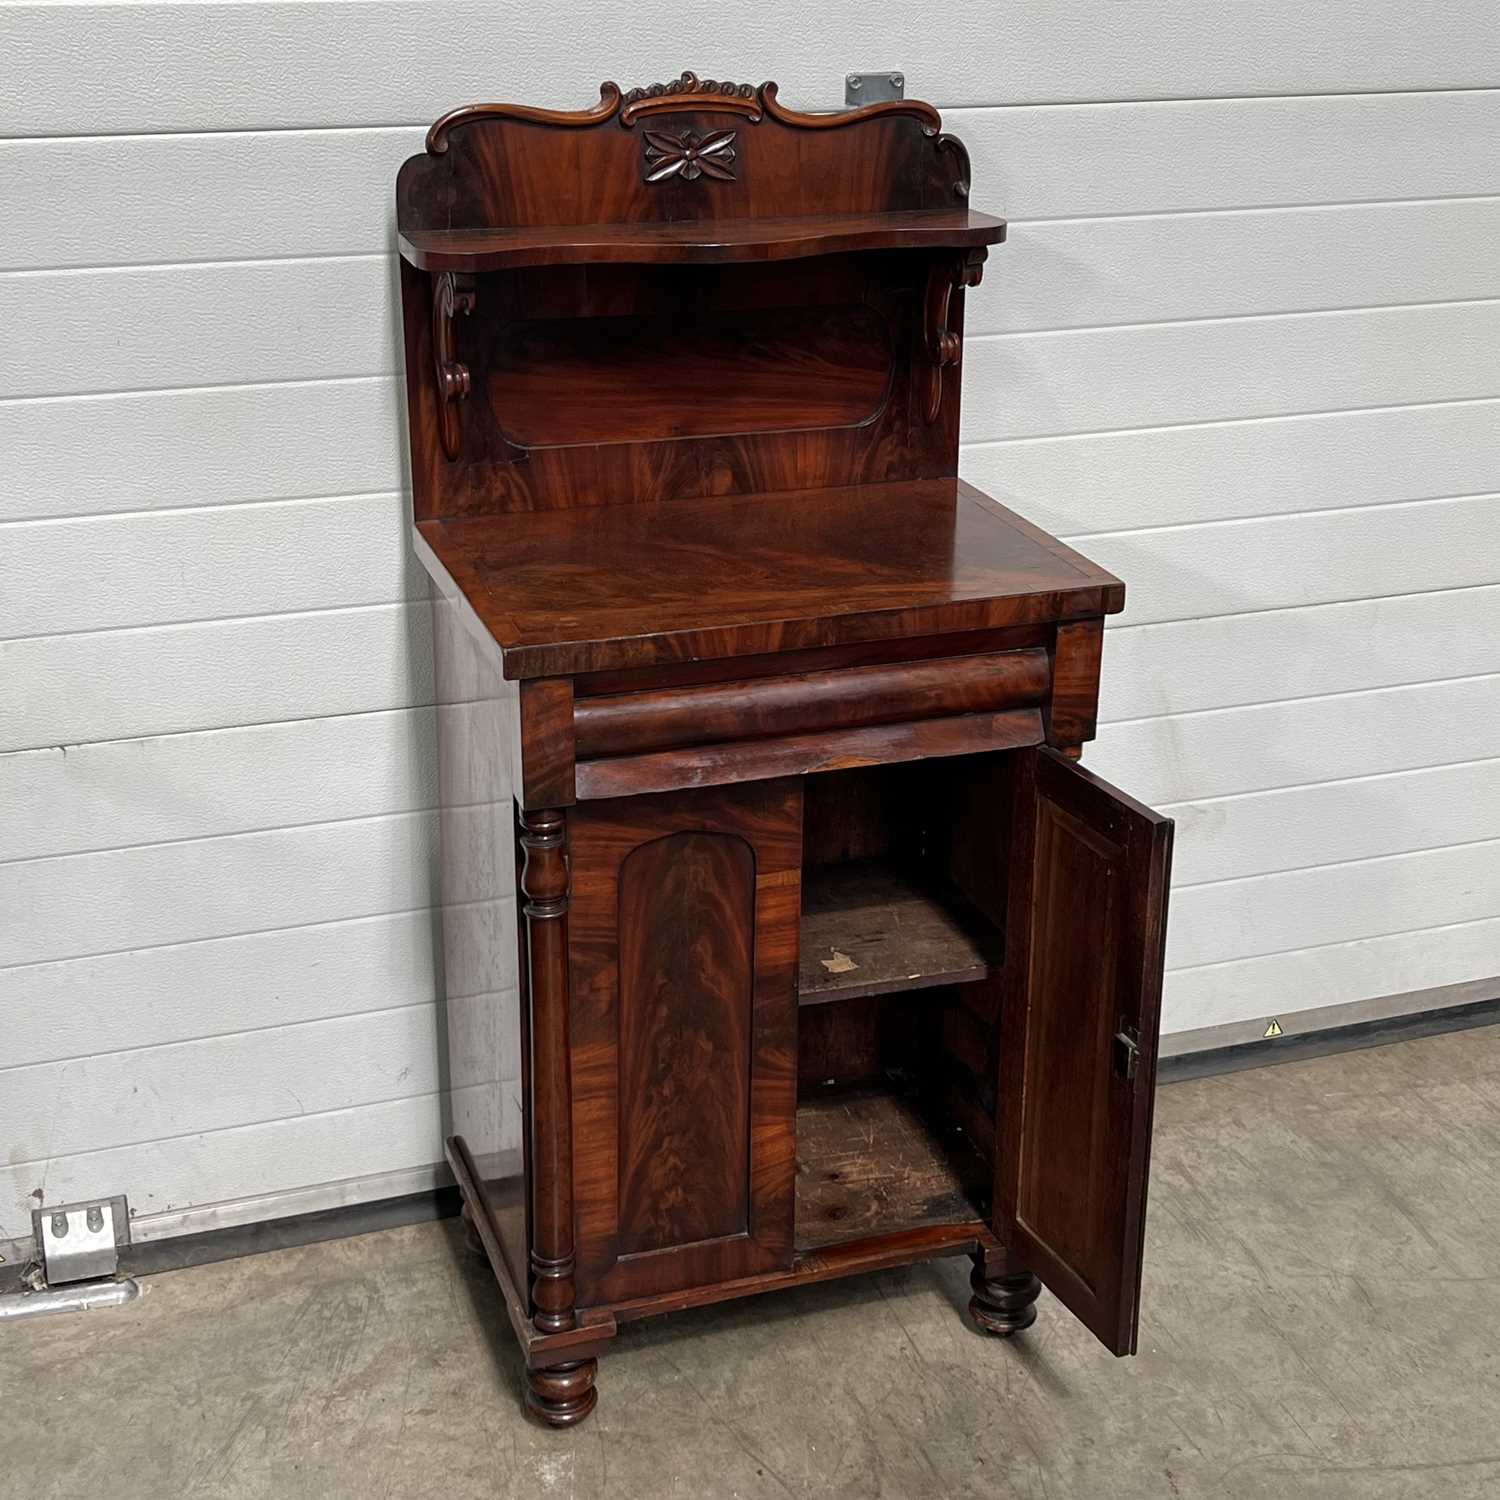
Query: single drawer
{"points": [[668, 738], [631, 723]]}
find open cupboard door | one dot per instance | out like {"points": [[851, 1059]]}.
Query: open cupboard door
{"points": [[1086, 923]]}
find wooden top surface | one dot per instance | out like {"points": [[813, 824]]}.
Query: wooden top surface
{"points": [[696, 242], [598, 589]]}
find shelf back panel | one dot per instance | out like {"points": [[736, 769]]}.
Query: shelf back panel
{"points": [[688, 151], [568, 381]]}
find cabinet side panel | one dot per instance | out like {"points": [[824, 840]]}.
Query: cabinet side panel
{"points": [[481, 1014], [687, 927], [424, 450]]}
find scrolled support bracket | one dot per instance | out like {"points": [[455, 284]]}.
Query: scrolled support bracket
{"points": [[942, 344], [452, 295]]}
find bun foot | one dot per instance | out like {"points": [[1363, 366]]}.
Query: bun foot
{"points": [[1003, 1305], [563, 1395]]}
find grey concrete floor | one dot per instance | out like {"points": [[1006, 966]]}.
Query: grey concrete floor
{"points": [[1321, 1318]]}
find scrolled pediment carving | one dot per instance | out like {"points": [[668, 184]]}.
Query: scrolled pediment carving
{"points": [[688, 91]]}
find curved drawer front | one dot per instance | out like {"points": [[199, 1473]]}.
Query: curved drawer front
{"points": [[631, 723], [675, 737]]}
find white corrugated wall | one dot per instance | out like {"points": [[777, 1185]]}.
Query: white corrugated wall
{"points": [[1243, 347]]}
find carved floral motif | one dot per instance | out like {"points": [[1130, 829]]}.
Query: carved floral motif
{"points": [[689, 155]]}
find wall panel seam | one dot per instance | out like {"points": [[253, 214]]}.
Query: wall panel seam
{"points": [[1247, 421], [152, 392], [1248, 958], [236, 506], [435, 1003], [1078, 538], [235, 833], [1080, 330], [1333, 864], [1312, 205], [1181, 804], [1015, 221], [948, 109], [126, 267], [219, 937], [1369, 692], [187, 1135], [291, 502], [210, 730], [269, 614], [1274, 609], [266, 932]]}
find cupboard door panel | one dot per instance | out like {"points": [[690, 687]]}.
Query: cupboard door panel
{"points": [[1087, 922], [687, 929], [683, 953]]}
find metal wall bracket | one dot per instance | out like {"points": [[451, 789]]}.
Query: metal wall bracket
{"points": [[873, 88], [80, 1241]]}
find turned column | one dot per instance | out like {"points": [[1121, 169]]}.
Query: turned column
{"points": [[1004, 1300], [564, 1393]]}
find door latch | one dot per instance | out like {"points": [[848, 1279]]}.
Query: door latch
{"points": [[1127, 1050]]}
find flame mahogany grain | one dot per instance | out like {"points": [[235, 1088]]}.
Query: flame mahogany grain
{"points": [[628, 723], [574, 381], [687, 922], [685, 915], [683, 382], [571, 592]]}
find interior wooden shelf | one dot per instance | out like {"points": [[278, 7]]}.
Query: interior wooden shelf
{"points": [[872, 928], [868, 1165], [697, 241]]}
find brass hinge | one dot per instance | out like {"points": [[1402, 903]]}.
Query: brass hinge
{"points": [[1127, 1050]]}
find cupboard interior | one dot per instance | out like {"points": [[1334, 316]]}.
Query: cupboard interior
{"points": [[905, 874]]}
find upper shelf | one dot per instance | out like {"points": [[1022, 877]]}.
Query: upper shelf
{"points": [[697, 242]]}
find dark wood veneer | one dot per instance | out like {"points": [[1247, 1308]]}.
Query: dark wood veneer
{"points": [[796, 370], [683, 961], [1086, 931], [698, 242], [634, 722], [806, 754], [671, 581], [830, 958], [687, 910]]}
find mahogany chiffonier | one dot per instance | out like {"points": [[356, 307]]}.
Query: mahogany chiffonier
{"points": [[831, 957]]}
